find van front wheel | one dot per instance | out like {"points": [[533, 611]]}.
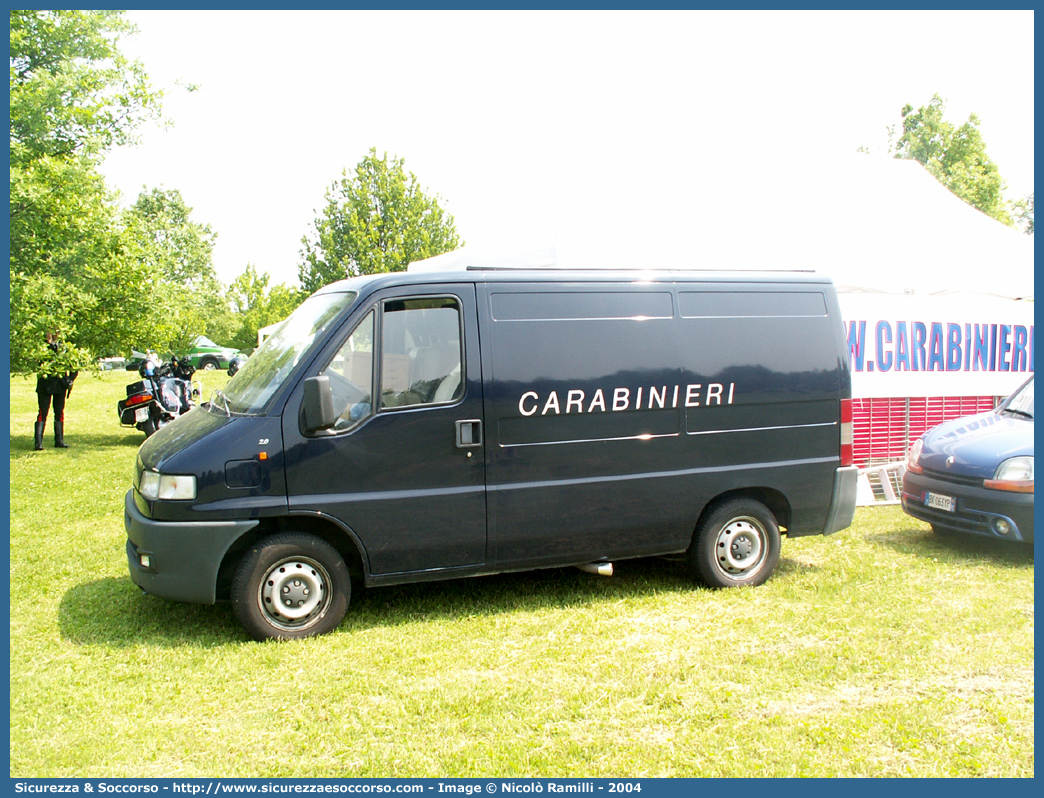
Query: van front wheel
{"points": [[736, 545], [291, 586]]}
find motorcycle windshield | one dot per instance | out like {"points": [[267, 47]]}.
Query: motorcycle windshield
{"points": [[249, 391]]}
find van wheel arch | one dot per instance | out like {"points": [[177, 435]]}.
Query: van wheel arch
{"points": [[772, 499], [322, 528]]}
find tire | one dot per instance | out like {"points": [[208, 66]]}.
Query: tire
{"points": [[293, 567], [208, 364], [736, 545], [148, 427]]}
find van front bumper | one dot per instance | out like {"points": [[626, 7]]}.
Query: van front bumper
{"points": [[178, 560]]}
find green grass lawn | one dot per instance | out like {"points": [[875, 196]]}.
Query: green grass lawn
{"points": [[881, 650]]}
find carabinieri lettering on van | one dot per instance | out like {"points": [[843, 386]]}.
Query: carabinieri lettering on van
{"points": [[619, 399]]}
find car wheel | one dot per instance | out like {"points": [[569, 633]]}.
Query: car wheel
{"points": [[291, 586], [208, 364], [736, 544]]}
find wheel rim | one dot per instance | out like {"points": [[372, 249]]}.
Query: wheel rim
{"points": [[740, 548], [295, 593]]}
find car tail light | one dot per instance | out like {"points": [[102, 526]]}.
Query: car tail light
{"points": [[847, 438]]}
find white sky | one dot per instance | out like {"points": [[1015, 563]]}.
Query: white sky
{"points": [[637, 134]]}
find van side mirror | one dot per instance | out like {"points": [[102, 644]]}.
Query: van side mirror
{"points": [[318, 404]]}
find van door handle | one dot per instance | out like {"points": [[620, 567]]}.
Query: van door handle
{"points": [[469, 433]]}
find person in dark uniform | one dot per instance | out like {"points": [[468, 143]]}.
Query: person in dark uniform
{"points": [[52, 389]]}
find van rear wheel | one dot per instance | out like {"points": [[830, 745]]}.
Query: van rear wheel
{"points": [[737, 544], [291, 586]]}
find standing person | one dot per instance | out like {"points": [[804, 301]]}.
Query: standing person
{"points": [[52, 389]]}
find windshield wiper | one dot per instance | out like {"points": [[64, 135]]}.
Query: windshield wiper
{"points": [[1017, 412], [217, 394]]}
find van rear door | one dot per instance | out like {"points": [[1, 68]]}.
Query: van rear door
{"points": [[404, 467]]}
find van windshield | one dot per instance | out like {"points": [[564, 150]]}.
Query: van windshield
{"points": [[267, 369]]}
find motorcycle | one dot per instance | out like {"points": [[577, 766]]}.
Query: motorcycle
{"points": [[165, 391]]}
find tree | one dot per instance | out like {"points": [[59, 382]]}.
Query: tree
{"points": [[1022, 210], [163, 235], [177, 255], [255, 305], [47, 305], [72, 90], [64, 251], [72, 95], [376, 220], [955, 156], [62, 216]]}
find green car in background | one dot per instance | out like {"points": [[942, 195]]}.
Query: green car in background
{"points": [[207, 355]]}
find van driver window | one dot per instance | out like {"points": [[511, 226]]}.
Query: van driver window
{"points": [[351, 376], [420, 352]]}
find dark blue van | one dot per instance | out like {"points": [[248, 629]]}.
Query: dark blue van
{"points": [[419, 426]]}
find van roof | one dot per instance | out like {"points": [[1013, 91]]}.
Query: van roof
{"points": [[575, 276]]}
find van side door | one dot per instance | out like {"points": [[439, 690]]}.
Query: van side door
{"points": [[403, 468], [584, 409]]}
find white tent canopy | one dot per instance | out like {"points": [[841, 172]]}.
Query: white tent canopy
{"points": [[893, 228], [876, 225]]}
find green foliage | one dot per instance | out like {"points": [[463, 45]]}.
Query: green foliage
{"points": [[62, 216], [125, 312], [64, 244], [1022, 210], [47, 305], [376, 220], [955, 156], [72, 95], [72, 90], [162, 235], [144, 278], [255, 305], [177, 255]]}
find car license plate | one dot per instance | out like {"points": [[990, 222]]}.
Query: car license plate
{"points": [[141, 414], [940, 502]]}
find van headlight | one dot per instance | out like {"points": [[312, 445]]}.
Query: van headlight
{"points": [[155, 486], [1014, 474]]}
